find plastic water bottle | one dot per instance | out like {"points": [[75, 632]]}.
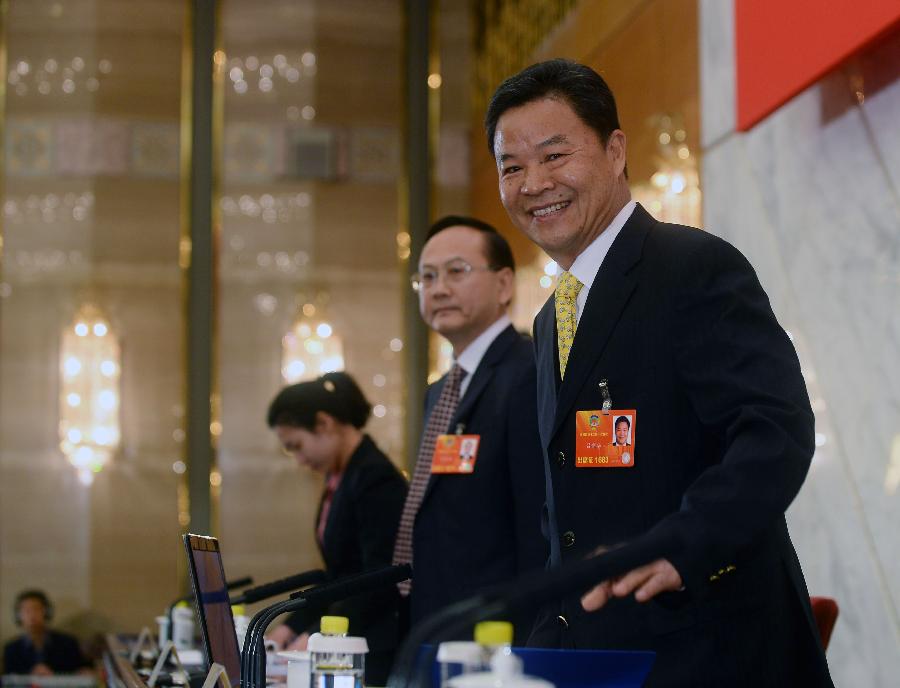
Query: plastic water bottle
{"points": [[338, 660], [241, 623], [183, 626], [162, 623], [457, 657], [492, 636]]}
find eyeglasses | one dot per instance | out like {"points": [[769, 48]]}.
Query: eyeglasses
{"points": [[454, 272]]}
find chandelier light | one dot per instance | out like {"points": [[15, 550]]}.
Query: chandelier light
{"points": [[673, 194], [310, 348], [89, 398]]}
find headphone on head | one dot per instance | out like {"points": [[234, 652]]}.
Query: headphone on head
{"points": [[33, 595]]}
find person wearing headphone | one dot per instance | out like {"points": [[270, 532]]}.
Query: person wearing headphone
{"points": [[39, 650]]}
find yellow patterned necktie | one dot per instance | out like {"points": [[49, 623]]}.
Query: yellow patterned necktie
{"points": [[566, 292]]}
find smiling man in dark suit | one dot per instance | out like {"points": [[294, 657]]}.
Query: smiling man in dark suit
{"points": [[670, 326], [472, 519]]}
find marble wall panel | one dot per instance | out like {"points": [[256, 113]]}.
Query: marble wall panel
{"points": [[716, 69], [810, 196]]}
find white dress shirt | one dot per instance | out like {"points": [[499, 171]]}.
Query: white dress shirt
{"points": [[471, 356], [588, 262]]}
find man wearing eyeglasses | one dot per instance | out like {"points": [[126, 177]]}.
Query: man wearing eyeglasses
{"points": [[472, 518]]}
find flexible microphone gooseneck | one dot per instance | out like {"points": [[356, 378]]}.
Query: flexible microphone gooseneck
{"points": [[280, 586], [528, 591], [261, 592], [253, 659]]}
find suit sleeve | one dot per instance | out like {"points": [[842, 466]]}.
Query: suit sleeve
{"points": [[743, 380]]}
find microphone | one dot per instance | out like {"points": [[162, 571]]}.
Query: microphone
{"points": [[253, 659], [350, 586], [280, 586], [527, 591]]}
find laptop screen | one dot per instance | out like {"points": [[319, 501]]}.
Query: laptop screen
{"points": [[213, 606]]}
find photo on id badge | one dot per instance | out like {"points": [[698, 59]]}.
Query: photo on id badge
{"points": [[455, 454], [605, 440]]}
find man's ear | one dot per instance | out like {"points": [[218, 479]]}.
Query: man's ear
{"points": [[616, 149], [506, 283]]}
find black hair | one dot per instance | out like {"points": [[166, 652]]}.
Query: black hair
{"points": [[622, 419], [336, 394], [33, 594], [580, 86], [496, 249]]}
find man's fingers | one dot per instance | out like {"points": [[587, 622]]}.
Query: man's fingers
{"points": [[632, 580], [596, 597], [646, 582], [662, 577], [654, 585]]}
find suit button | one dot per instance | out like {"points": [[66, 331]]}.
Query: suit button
{"points": [[561, 620], [561, 459], [568, 539]]}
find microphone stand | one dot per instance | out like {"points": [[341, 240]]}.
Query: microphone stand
{"points": [[535, 588], [256, 667], [253, 659]]}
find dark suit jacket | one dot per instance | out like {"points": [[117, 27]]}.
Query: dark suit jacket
{"points": [[482, 529], [678, 324], [61, 653], [359, 536]]}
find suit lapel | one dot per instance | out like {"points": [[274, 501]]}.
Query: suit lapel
{"points": [[480, 379], [609, 293], [483, 374], [547, 369]]}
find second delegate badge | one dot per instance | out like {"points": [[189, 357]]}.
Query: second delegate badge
{"points": [[605, 440], [455, 454]]}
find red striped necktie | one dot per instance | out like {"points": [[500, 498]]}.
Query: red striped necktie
{"points": [[438, 424]]}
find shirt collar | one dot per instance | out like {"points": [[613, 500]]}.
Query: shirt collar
{"points": [[588, 262], [471, 356]]}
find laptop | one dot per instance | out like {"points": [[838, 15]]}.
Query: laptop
{"points": [[220, 642]]}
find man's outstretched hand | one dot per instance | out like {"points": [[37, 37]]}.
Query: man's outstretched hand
{"points": [[645, 582]]}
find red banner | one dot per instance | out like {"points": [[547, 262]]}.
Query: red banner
{"points": [[783, 46]]}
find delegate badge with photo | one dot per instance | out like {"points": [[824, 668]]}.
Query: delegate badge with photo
{"points": [[605, 440], [455, 453]]}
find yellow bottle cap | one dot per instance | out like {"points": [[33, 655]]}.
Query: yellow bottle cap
{"points": [[494, 633], [335, 625], [238, 609], [182, 604]]}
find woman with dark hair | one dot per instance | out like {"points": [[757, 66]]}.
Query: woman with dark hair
{"points": [[320, 423]]}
